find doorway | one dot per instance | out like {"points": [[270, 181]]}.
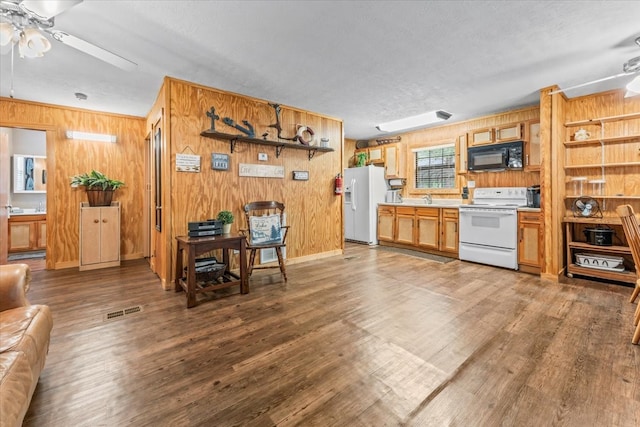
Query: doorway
{"points": [[23, 193]]}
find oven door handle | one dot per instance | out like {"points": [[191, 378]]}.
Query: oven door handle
{"points": [[483, 213]]}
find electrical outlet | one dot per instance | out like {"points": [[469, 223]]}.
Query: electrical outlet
{"points": [[263, 157], [235, 251]]}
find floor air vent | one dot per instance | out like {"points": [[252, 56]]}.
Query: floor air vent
{"points": [[121, 313]]}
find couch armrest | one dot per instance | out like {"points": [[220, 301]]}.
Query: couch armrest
{"points": [[14, 284]]}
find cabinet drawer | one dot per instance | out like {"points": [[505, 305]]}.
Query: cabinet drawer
{"points": [[529, 216], [450, 213], [405, 210], [386, 210], [427, 212]]}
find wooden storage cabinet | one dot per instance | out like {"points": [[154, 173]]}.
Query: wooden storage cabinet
{"points": [[532, 156], [480, 137], [428, 224], [386, 221], [429, 229], [449, 234], [99, 236], [529, 241], [511, 132], [27, 233], [405, 225], [503, 133], [576, 243], [461, 156], [394, 163], [375, 155]]}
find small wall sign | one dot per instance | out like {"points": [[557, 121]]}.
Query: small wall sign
{"points": [[219, 161], [187, 163], [301, 175], [261, 171]]}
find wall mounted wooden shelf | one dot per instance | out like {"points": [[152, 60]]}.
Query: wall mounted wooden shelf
{"points": [[602, 140], [605, 165], [600, 120], [233, 140]]}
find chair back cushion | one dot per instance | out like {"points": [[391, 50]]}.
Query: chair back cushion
{"points": [[265, 230]]}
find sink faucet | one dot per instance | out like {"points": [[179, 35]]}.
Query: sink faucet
{"points": [[428, 199]]}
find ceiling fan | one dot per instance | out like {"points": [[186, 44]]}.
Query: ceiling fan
{"points": [[630, 67], [21, 22]]}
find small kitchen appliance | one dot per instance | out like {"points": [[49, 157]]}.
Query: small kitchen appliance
{"points": [[393, 196], [533, 196]]}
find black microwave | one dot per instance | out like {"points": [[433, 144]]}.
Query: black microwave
{"points": [[496, 157]]}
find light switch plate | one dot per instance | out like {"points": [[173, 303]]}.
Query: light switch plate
{"points": [[263, 157]]}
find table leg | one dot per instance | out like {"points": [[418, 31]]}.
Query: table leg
{"points": [[179, 254], [244, 280], [191, 278]]}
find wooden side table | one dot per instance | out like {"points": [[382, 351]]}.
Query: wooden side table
{"points": [[194, 246]]}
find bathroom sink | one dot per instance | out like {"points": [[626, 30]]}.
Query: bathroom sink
{"points": [[32, 211]]}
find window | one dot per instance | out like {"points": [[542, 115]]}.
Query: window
{"points": [[436, 167]]}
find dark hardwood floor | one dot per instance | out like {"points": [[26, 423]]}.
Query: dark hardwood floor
{"points": [[371, 338]]}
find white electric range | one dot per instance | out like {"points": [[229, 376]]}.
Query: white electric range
{"points": [[489, 226]]}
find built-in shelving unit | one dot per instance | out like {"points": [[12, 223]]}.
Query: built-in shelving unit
{"points": [[575, 245], [279, 145]]}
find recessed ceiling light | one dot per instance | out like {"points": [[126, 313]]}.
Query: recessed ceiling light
{"points": [[81, 96]]}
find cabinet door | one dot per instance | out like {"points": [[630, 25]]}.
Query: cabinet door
{"points": [[427, 228], [376, 155], [109, 234], [41, 242], [480, 137], [405, 218], [90, 236], [512, 132], [449, 236], [386, 217], [532, 156], [21, 236], [529, 239], [462, 154], [391, 161]]}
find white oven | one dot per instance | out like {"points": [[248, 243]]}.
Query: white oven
{"points": [[489, 227]]}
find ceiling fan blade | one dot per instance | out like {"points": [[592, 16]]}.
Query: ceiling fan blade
{"points": [[46, 9], [93, 50], [591, 82]]}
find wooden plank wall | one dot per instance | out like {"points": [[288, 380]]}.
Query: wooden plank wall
{"points": [[313, 211], [123, 160]]}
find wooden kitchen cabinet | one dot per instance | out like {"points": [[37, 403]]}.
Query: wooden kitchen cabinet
{"points": [[394, 161], [510, 132], [428, 227], [449, 231], [461, 154], [375, 155], [386, 222], [27, 233], [405, 225], [532, 157], [529, 241], [480, 137], [99, 236]]}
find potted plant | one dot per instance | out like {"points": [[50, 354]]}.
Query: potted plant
{"points": [[361, 159], [227, 219], [98, 186]]}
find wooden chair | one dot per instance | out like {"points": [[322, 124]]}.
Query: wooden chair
{"points": [[632, 232], [265, 230]]}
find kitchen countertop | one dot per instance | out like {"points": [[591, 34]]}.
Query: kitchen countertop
{"points": [[443, 204], [23, 212], [526, 209]]}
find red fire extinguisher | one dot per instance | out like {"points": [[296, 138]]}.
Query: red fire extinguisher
{"points": [[338, 185]]}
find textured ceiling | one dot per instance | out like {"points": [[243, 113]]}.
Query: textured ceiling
{"points": [[365, 62]]}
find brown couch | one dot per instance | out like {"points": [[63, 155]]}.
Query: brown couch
{"points": [[24, 342]]}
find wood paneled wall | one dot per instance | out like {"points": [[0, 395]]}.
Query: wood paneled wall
{"points": [[313, 211], [65, 158]]}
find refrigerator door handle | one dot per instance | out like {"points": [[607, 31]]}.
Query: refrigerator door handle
{"points": [[353, 194]]}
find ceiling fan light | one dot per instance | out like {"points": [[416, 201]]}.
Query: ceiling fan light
{"points": [[33, 44], [46, 9], [6, 33]]}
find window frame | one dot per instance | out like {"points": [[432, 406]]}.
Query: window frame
{"points": [[442, 144]]}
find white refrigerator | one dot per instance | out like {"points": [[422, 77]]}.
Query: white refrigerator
{"points": [[364, 188]]}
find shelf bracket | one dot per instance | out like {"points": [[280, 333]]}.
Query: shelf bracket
{"points": [[311, 154], [232, 144], [279, 149]]}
